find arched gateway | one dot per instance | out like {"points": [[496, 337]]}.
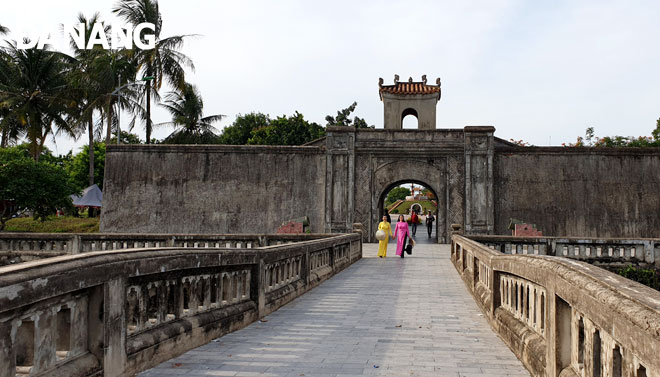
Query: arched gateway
{"points": [[340, 179]]}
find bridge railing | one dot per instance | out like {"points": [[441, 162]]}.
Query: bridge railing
{"points": [[18, 247], [563, 317], [608, 250], [117, 312]]}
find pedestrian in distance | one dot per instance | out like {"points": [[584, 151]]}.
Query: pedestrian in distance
{"points": [[429, 223], [413, 220], [382, 244], [401, 233]]}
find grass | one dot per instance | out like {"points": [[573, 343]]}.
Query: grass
{"points": [[62, 224], [426, 206]]}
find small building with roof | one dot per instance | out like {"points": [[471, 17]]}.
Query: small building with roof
{"points": [[416, 98]]}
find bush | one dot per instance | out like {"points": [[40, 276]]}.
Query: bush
{"points": [[646, 276], [40, 187], [395, 210]]}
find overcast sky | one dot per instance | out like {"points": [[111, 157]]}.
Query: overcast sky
{"points": [[541, 71]]}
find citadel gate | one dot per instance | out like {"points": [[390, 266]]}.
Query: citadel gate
{"points": [[480, 181]]}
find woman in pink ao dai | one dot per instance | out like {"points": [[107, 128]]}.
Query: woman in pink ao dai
{"points": [[400, 233]]}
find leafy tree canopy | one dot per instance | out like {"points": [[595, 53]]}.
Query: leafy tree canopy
{"points": [[591, 140], [397, 193], [126, 138], [292, 130], [79, 167], [187, 137], [241, 130], [25, 184], [343, 118]]}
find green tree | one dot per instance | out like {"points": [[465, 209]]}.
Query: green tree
{"points": [[126, 138], [292, 130], [239, 132], [164, 62], [397, 193], [40, 187], [4, 30], [591, 140], [78, 169], [656, 131], [34, 94], [187, 109], [343, 118]]}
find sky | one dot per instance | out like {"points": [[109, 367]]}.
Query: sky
{"points": [[538, 71]]}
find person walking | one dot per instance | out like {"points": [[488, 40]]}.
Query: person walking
{"points": [[429, 223], [413, 220], [382, 244], [401, 233]]}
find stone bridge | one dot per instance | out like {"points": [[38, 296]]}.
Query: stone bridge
{"points": [[116, 305]]}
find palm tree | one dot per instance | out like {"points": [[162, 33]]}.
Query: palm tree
{"points": [[164, 62], [83, 81], [187, 109], [96, 78], [34, 93]]}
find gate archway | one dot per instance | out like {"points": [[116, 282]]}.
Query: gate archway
{"points": [[391, 172], [382, 210]]}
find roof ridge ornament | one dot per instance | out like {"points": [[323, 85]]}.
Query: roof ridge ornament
{"points": [[380, 82], [424, 79], [410, 79], [437, 81], [396, 78]]}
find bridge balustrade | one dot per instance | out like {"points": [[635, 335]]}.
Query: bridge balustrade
{"points": [[562, 317], [605, 250], [23, 247], [117, 312]]}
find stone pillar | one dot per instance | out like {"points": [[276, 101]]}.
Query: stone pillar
{"points": [[259, 277], [7, 351], [340, 179], [75, 245], [114, 353], [479, 205]]}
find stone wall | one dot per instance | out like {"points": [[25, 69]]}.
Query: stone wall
{"points": [[211, 189], [589, 192], [481, 183]]}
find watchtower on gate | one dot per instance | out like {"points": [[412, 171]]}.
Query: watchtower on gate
{"points": [[409, 98]]}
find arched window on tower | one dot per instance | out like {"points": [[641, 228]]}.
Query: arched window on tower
{"points": [[409, 119]]}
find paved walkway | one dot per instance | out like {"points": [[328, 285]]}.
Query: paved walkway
{"points": [[379, 317]]}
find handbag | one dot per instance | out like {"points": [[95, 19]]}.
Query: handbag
{"points": [[408, 248]]}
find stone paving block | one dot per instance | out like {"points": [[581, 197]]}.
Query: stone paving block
{"points": [[408, 317]]}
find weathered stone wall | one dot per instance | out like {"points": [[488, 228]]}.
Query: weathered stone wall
{"points": [[589, 192], [211, 189], [481, 183]]}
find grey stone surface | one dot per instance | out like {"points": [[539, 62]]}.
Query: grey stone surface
{"points": [[211, 188], [380, 317], [582, 192]]}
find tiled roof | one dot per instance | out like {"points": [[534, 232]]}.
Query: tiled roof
{"points": [[409, 87]]}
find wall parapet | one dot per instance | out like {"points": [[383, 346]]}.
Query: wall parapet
{"points": [[213, 148], [117, 312], [561, 316]]}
